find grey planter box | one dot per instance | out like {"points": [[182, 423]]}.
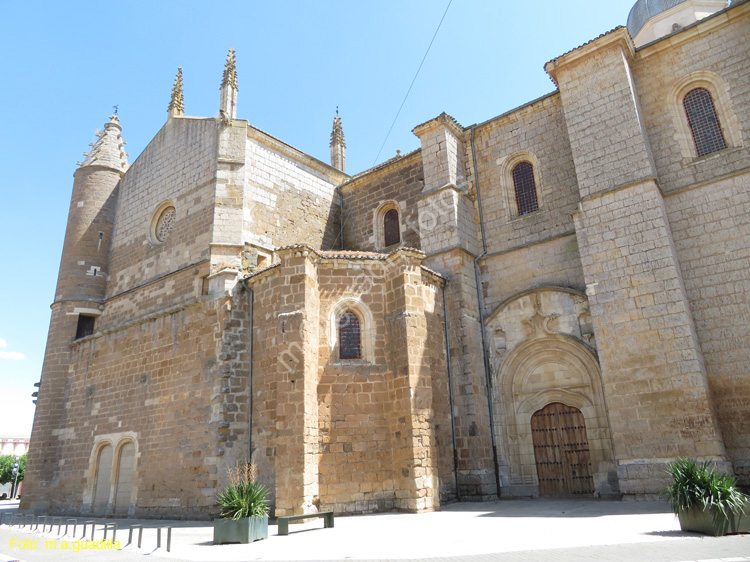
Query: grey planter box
{"points": [[245, 530], [713, 523]]}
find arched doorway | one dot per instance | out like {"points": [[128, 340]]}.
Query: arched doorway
{"points": [[103, 480], [561, 450], [124, 478]]}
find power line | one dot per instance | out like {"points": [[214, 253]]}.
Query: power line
{"points": [[412, 82]]}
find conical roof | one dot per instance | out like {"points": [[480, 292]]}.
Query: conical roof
{"points": [[109, 150]]}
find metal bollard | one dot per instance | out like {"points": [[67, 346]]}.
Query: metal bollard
{"points": [[44, 525], [112, 526], [140, 534], [59, 525], [158, 537], [169, 539], [75, 524]]}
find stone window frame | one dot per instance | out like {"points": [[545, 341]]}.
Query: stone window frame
{"points": [[508, 164], [721, 98], [379, 223], [366, 331], [349, 336], [155, 216], [117, 442]]}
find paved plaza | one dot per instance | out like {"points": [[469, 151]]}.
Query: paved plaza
{"points": [[510, 530]]}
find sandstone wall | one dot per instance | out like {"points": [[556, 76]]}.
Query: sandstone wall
{"points": [[711, 233], [290, 197], [694, 57], [401, 181], [179, 165], [353, 456], [536, 133], [152, 382]]}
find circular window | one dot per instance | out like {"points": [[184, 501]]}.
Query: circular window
{"points": [[163, 223]]}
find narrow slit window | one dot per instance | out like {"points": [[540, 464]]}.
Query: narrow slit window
{"points": [[350, 345], [85, 326], [525, 186], [391, 228], [704, 122]]}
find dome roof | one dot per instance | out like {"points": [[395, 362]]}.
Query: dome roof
{"points": [[644, 10]]}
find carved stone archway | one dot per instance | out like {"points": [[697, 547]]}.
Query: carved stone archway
{"points": [[544, 354]]}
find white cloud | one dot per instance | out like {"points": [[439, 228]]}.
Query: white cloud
{"points": [[9, 354]]}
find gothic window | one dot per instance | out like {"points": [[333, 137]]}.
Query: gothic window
{"points": [[525, 188], [350, 346], [163, 222], [704, 122], [391, 228]]}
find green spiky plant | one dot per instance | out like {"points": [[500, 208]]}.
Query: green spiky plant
{"points": [[245, 496], [701, 485]]}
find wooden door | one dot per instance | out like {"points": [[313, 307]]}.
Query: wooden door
{"points": [[561, 449]]}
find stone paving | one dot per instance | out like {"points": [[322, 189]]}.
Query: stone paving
{"points": [[511, 530]]}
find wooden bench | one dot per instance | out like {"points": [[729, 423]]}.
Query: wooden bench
{"points": [[283, 522]]}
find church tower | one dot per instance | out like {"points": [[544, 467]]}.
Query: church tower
{"points": [[81, 287]]}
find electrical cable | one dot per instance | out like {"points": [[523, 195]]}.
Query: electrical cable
{"points": [[412, 82]]}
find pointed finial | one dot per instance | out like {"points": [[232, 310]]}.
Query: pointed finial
{"points": [[230, 70], [338, 146], [115, 107], [177, 102], [337, 135]]}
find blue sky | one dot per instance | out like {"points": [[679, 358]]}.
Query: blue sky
{"points": [[65, 64]]}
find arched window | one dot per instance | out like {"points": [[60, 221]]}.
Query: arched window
{"points": [[703, 121], [350, 345], [391, 229], [525, 186]]}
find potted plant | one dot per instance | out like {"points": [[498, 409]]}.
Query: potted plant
{"points": [[706, 500], [244, 508]]}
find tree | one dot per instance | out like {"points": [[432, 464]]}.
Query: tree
{"points": [[6, 468]]}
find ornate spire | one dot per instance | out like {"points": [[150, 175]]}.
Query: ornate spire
{"points": [[338, 146], [230, 70], [109, 150], [228, 100], [177, 103]]}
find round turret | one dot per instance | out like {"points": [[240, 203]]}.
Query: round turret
{"points": [[85, 257]]}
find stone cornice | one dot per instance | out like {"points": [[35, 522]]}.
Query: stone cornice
{"points": [[618, 36], [387, 167], [336, 176], [442, 120]]}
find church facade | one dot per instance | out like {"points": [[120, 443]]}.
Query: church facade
{"points": [[554, 302]]}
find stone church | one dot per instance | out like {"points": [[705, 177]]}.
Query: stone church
{"points": [[553, 302]]}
